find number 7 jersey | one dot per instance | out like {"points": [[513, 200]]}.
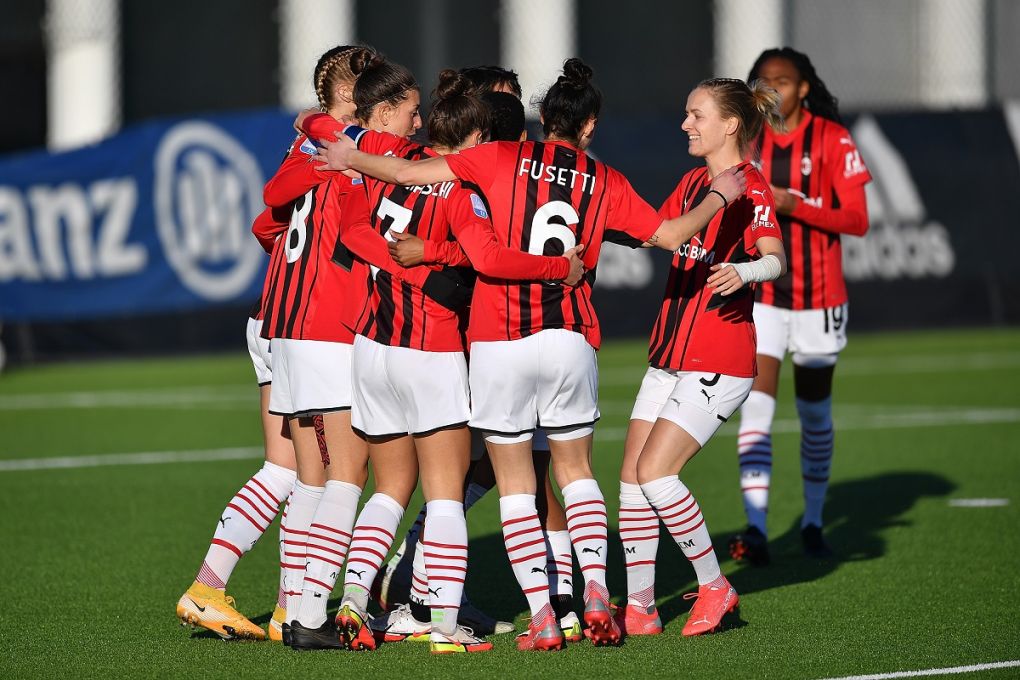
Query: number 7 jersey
{"points": [[545, 198]]}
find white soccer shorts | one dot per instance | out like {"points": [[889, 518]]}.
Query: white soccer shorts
{"points": [[698, 402], [547, 380], [801, 332], [258, 348], [309, 377], [398, 390]]}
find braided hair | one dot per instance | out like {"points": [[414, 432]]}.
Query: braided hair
{"points": [[819, 101], [340, 65]]}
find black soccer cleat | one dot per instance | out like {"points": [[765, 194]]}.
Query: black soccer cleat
{"points": [[814, 543], [285, 634], [325, 636], [750, 546]]}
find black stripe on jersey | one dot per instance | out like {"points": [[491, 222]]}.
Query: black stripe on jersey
{"points": [[593, 169], [386, 308], [552, 295], [407, 304], [510, 232], [783, 286], [292, 288], [805, 234], [664, 349], [320, 234], [688, 294], [530, 205]]}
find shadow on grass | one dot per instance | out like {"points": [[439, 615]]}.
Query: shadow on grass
{"points": [[858, 512]]}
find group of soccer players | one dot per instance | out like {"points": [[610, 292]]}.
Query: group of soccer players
{"points": [[427, 311]]}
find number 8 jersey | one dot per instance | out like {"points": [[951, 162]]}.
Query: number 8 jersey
{"points": [[547, 197]]}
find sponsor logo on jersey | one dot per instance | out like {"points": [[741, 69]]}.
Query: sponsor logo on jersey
{"points": [[903, 242], [208, 189], [695, 250], [478, 207]]}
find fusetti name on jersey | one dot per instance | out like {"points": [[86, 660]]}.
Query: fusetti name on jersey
{"points": [[565, 177]]}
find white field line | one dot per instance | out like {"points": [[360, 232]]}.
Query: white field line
{"points": [[978, 502], [187, 397], [149, 458], [955, 670], [865, 366], [867, 421]]}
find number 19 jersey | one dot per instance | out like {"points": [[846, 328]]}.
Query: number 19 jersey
{"points": [[547, 197]]}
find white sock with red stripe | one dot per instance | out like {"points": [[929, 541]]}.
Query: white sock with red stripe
{"points": [[587, 524], [679, 511], [329, 536], [419, 577], [373, 537], [281, 594], [247, 516], [560, 563], [445, 549], [754, 450], [525, 546], [816, 443], [639, 533], [295, 542]]}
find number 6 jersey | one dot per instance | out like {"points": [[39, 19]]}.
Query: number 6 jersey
{"points": [[547, 197]]}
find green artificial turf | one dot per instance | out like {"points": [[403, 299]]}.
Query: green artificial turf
{"points": [[95, 558]]}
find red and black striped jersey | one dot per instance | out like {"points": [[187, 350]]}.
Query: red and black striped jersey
{"points": [[307, 295], [545, 198], [820, 164], [697, 330], [400, 313]]}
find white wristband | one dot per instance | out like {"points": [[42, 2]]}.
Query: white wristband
{"points": [[764, 269]]}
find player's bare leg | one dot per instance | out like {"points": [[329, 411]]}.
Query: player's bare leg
{"points": [[587, 523], [395, 465], [668, 449], [330, 531], [443, 460], [639, 534], [560, 559], [812, 380], [754, 449]]}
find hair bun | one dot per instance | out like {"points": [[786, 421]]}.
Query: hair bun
{"points": [[451, 84], [576, 73], [362, 58]]}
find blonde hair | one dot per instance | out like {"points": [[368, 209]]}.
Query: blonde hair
{"points": [[338, 66], [752, 105]]}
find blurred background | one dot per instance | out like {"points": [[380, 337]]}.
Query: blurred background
{"points": [[136, 138]]}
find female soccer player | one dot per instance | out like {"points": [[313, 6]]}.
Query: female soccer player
{"points": [[311, 345], [702, 354], [252, 509], [411, 391], [818, 179], [247, 515], [533, 344]]}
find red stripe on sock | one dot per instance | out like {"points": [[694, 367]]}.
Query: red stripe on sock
{"points": [[593, 537], [320, 558], [678, 512], [526, 544], [647, 527], [582, 503], [362, 560], [431, 565], [452, 546], [265, 503], [520, 519], [232, 548], [701, 554], [754, 488], [247, 517], [536, 589], [364, 527], [451, 579], [318, 583], [329, 528], [528, 557], [577, 527], [593, 566], [361, 549], [670, 507], [687, 531], [269, 493], [639, 563]]}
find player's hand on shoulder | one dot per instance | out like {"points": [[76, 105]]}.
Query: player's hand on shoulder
{"points": [[335, 154], [302, 116], [407, 250], [576, 265], [731, 183], [725, 280]]}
